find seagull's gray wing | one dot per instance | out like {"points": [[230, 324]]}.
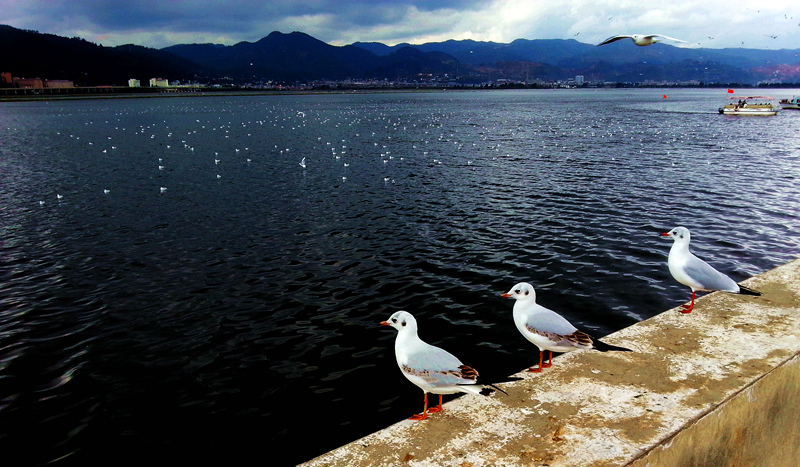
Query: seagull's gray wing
{"points": [[708, 277], [550, 322], [660, 37], [613, 39], [439, 367]]}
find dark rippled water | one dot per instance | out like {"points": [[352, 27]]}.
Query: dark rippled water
{"points": [[236, 313]]}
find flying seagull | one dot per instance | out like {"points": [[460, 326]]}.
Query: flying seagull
{"points": [[433, 369], [548, 330], [642, 39], [692, 271]]}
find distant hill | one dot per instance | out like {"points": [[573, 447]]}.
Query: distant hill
{"points": [[31, 54], [619, 61], [298, 57]]}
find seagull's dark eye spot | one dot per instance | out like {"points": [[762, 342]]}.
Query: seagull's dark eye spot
{"points": [[517, 291], [527, 292], [394, 320], [404, 323]]}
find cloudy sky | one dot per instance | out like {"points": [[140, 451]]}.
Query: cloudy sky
{"points": [[773, 24]]}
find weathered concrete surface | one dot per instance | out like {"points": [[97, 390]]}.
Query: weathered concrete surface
{"points": [[685, 393], [757, 426]]}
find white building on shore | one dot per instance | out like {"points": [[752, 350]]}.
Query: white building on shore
{"points": [[159, 83]]}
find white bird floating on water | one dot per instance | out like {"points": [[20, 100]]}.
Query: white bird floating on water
{"points": [[303, 163], [433, 369], [695, 273], [548, 330], [643, 39]]}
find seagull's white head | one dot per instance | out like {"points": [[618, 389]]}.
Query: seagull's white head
{"points": [[678, 234], [521, 291], [402, 321]]}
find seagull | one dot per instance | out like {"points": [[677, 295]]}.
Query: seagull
{"points": [[642, 39], [547, 329], [431, 368], [303, 163], [695, 273]]}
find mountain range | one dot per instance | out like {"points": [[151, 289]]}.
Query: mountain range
{"points": [[298, 57]]}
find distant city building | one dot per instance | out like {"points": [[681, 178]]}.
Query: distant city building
{"points": [[58, 83], [6, 78], [159, 83], [35, 83], [579, 80], [134, 83]]}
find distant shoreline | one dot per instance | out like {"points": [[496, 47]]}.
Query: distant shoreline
{"points": [[260, 92], [123, 93]]}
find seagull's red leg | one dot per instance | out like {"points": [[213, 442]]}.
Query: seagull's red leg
{"points": [[424, 413], [549, 360], [688, 308], [438, 408], [539, 369]]}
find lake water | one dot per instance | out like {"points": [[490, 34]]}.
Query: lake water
{"points": [[196, 294]]}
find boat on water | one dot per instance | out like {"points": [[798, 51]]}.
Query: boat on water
{"points": [[793, 103], [743, 107]]}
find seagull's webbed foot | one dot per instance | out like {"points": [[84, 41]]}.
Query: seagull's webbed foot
{"points": [[437, 408], [686, 309], [549, 362], [424, 414], [538, 369]]}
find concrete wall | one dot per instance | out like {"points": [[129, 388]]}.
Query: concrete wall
{"points": [[717, 387], [760, 425]]}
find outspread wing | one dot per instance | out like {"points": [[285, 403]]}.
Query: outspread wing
{"points": [[614, 39], [662, 37]]}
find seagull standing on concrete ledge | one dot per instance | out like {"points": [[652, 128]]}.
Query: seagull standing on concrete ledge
{"points": [[695, 273], [547, 329], [642, 39], [433, 369]]}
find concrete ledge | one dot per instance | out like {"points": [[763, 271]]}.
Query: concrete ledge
{"points": [[720, 386]]}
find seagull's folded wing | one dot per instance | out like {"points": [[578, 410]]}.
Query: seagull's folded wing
{"points": [[708, 277]]}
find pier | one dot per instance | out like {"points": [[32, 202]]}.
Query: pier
{"points": [[719, 386]]}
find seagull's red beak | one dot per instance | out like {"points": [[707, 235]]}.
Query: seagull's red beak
{"points": [[665, 234], [505, 295], [385, 323]]}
